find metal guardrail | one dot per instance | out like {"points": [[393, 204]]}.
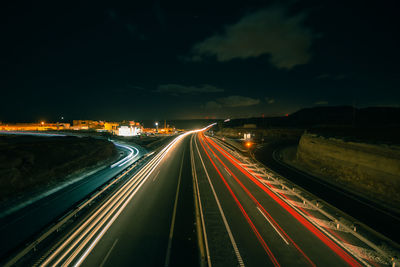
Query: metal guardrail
{"points": [[313, 204], [72, 213]]}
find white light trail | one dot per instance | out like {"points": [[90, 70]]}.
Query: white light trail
{"points": [[127, 158], [75, 249]]}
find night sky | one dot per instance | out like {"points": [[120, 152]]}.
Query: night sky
{"points": [[194, 59]]}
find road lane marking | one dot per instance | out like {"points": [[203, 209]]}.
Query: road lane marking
{"points": [[156, 175], [141, 177], [108, 253], [199, 207], [228, 229], [166, 149], [171, 232], [300, 215], [125, 193], [273, 226], [244, 213], [227, 171]]}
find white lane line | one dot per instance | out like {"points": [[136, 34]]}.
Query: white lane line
{"points": [[227, 171], [119, 202], [108, 253], [171, 232], [145, 174], [228, 229], [273, 226], [155, 176], [199, 201], [121, 208]]}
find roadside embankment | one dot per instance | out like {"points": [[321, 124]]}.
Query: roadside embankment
{"points": [[372, 170], [150, 143], [257, 133], [28, 163], [266, 136]]}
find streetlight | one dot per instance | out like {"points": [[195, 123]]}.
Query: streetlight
{"points": [[156, 126]]}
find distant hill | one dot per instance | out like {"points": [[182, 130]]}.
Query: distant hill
{"points": [[346, 115], [328, 116]]}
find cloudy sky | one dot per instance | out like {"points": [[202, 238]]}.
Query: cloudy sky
{"points": [[194, 59]]}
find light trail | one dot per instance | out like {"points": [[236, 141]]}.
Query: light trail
{"points": [[244, 213], [327, 241], [125, 160], [263, 211], [222, 213], [79, 244]]}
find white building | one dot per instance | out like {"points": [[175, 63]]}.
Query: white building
{"points": [[128, 131]]}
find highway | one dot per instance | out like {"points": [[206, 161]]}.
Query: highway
{"points": [[195, 204], [260, 228], [19, 224], [147, 222], [376, 216]]}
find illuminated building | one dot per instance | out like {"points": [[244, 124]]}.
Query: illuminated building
{"points": [[42, 126], [129, 130], [87, 124], [111, 126]]}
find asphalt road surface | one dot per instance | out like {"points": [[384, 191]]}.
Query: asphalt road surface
{"points": [[151, 220], [18, 226], [259, 228]]}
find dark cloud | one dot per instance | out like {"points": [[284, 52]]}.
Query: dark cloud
{"points": [[321, 102], [232, 102], [183, 89], [269, 100], [269, 31]]}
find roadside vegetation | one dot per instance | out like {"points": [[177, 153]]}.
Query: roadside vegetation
{"points": [[28, 162]]}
